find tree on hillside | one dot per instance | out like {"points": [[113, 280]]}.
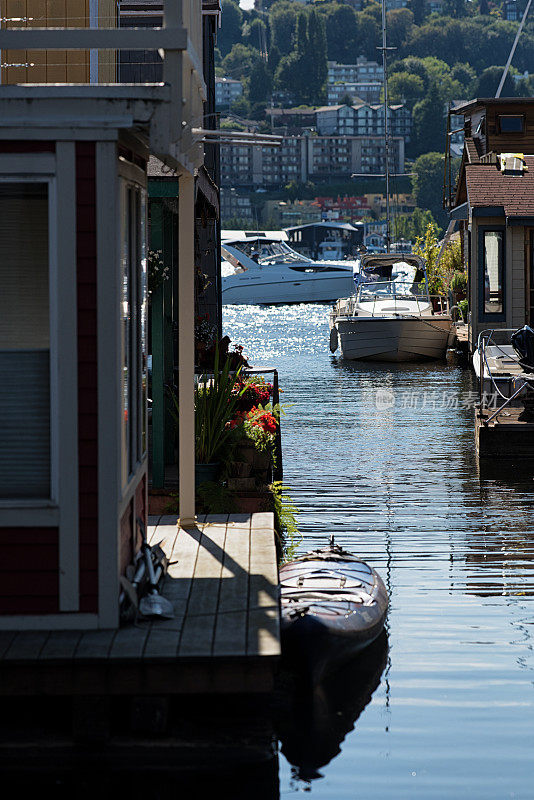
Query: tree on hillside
{"points": [[341, 33], [303, 72], [483, 7], [488, 82], [260, 84], [283, 24], [413, 66], [465, 75], [256, 32], [427, 184], [399, 22], [429, 122], [454, 8], [239, 61], [369, 34], [418, 9], [316, 55], [405, 87], [231, 22]]}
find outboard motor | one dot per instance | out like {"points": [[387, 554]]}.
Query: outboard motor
{"points": [[523, 344]]}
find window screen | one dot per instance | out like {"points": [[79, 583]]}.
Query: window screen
{"points": [[24, 341], [511, 123]]}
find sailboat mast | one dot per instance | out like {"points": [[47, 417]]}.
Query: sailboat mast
{"points": [[384, 49]]}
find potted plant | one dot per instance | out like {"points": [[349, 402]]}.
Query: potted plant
{"points": [[216, 400], [459, 286]]}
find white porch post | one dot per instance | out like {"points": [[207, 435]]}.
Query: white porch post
{"points": [[186, 349]]}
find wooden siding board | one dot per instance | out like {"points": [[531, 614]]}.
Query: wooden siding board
{"points": [[29, 571]]}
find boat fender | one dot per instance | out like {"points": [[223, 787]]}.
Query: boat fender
{"points": [[334, 341]]}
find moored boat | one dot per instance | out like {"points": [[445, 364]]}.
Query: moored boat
{"points": [[261, 268], [333, 605], [392, 316]]}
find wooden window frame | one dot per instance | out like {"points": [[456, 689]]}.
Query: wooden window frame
{"points": [[511, 116], [483, 315], [61, 509]]}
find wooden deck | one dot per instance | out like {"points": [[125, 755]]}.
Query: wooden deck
{"points": [[507, 436], [223, 583]]}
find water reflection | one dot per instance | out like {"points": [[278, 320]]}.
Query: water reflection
{"points": [[312, 721], [384, 454]]}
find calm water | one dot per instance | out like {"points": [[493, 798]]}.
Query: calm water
{"points": [[384, 456]]}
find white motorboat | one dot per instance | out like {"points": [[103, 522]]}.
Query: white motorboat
{"points": [[261, 268], [391, 317], [498, 362]]}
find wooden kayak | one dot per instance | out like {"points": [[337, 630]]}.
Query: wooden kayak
{"points": [[333, 605]]}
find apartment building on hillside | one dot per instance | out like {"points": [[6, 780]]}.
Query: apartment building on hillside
{"points": [[304, 157], [227, 91], [366, 91], [363, 70], [361, 119]]}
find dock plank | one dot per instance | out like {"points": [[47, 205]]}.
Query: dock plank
{"points": [[61, 645], [231, 622], [264, 632], [129, 642], [204, 595], [182, 561], [163, 641], [26, 646], [230, 638], [233, 594], [94, 645], [6, 637], [199, 625]]}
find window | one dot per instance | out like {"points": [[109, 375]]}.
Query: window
{"points": [[492, 273], [25, 454], [509, 123], [133, 323]]}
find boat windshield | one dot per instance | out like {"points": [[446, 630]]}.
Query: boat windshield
{"points": [[266, 253], [391, 290]]}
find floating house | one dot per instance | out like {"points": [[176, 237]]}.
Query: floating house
{"points": [[73, 191], [493, 205]]}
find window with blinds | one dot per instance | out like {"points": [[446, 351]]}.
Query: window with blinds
{"points": [[24, 341]]}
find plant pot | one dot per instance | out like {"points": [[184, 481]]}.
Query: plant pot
{"points": [[239, 469], [262, 460], [246, 453], [206, 472]]}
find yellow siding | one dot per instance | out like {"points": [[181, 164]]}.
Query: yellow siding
{"points": [[56, 66]]}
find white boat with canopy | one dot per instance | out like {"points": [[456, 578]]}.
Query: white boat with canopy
{"points": [[261, 268], [392, 316]]}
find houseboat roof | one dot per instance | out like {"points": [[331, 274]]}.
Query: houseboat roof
{"points": [[499, 193], [470, 105]]}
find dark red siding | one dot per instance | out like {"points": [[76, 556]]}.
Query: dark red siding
{"points": [[126, 542], [87, 372], [29, 570]]}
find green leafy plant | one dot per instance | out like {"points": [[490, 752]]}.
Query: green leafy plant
{"points": [[214, 498], [463, 307], [427, 247], [459, 282], [285, 515], [215, 407]]}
